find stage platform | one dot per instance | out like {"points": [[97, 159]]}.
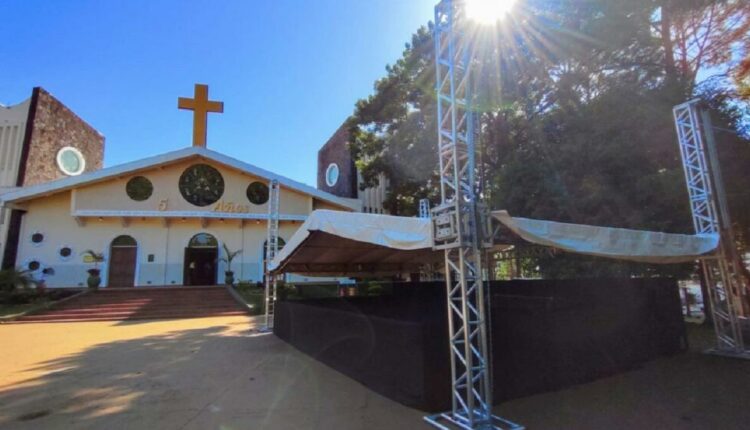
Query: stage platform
{"points": [[545, 335]]}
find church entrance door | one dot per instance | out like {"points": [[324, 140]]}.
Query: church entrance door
{"points": [[201, 260], [123, 255]]}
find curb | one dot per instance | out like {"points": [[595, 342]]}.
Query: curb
{"points": [[239, 300]]}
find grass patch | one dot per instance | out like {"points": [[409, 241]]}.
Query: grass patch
{"points": [[15, 309], [253, 296]]}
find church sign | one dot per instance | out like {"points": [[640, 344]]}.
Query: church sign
{"points": [[231, 207]]}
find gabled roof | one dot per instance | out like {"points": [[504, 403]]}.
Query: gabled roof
{"points": [[108, 173]]}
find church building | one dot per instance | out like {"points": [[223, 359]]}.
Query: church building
{"points": [[41, 140], [159, 221]]}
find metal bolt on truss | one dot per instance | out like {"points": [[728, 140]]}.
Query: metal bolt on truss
{"points": [[458, 229], [727, 287], [272, 248]]}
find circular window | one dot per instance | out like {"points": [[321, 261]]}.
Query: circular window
{"points": [[65, 252], [71, 161], [257, 193], [139, 188], [37, 238], [332, 174], [33, 265], [201, 185]]}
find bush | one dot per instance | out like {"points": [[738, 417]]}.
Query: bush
{"points": [[13, 279], [375, 290]]}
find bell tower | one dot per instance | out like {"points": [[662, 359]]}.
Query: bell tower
{"points": [[41, 140]]}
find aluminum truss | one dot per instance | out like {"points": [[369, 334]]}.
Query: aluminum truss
{"points": [[424, 208], [272, 248], [727, 287], [460, 228]]}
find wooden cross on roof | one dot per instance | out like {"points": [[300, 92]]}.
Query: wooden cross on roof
{"points": [[201, 106]]}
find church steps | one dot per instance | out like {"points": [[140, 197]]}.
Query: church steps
{"points": [[126, 310], [30, 319], [142, 304]]}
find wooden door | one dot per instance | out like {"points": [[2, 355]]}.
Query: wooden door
{"points": [[122, 266], [201, 266]]}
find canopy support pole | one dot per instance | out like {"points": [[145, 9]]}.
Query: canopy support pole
{"points": [[272, 248], [723, 272], [460, 229]]}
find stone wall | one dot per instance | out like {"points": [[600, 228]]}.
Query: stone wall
{"points": [[336, 151], [54, 127]]}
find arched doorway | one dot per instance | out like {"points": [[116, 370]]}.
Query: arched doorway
{"points": [[123, 254], [201, 260]]}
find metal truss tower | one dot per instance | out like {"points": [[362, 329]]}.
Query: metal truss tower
{"points": [[272, 248], [460, 228], [424, 208], [722, 271]]}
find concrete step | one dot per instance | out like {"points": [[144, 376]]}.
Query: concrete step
{"points": [[152, 309], [147, 303], [132, 303], [33, 319]]}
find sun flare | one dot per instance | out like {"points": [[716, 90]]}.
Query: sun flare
{"points": [[488, 11]]}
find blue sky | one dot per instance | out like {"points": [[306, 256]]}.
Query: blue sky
{"points": [[288, 71]]}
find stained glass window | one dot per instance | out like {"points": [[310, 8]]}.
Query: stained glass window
{"points": [[257, 193], [201, 185], [139, 188]]}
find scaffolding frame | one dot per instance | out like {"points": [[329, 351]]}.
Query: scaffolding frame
{"points": [[272, 248], [460, 227], [722, 271], [424, 208]]}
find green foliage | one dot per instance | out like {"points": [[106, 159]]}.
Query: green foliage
{"points": [[96, 257], [13, 279], [229, 256], [375, 290], [575, 103]]}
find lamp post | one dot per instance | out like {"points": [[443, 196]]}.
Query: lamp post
{"points": [[461, 221]]}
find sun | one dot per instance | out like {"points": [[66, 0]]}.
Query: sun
{"points": [[488, 11]]}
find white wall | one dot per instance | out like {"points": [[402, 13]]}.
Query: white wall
{"points": [[12, 131]]}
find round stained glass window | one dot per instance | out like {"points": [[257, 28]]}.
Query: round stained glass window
{"points": [[201, 185], [257, 193], [71, 161], [65, 252], [332, 174], [139, 188], [37, 238]]}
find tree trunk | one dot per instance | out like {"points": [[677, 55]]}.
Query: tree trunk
{"points": [[666, 40]]}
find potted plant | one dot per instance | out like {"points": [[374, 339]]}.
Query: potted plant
{"points": [[94, 280], [230, 255]]}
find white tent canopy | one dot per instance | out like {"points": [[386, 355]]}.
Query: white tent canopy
{"points": [[618, 243], [345, 243], [341, 243]]}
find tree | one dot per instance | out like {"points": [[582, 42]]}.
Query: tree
{"points": [[575, 103], [391, 132]]}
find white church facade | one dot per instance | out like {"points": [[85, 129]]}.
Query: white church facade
{"points": [[159, 221]]}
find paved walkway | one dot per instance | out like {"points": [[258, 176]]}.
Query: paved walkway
{"points": [[207, 373], [216, 373]]}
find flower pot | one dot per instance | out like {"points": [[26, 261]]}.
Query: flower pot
{"points": [[229, 277], [94, 280]]}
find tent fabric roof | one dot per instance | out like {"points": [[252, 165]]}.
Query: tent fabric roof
{"points": [[341, 243], [344, 243], [618, 243]]}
